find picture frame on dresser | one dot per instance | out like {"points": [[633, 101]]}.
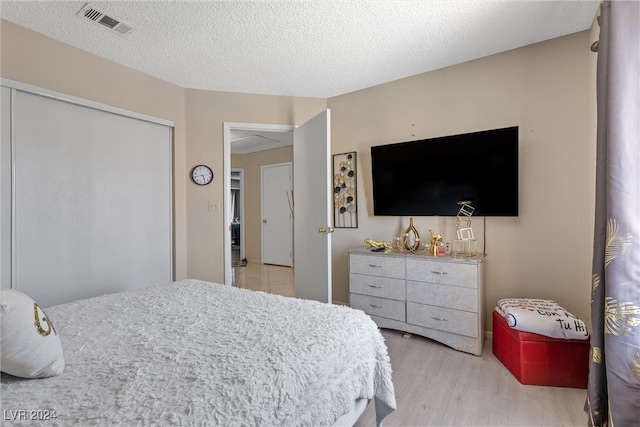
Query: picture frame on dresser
{"points": [[441, 298]]}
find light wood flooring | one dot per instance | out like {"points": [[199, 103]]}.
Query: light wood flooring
{"points": [[272, 279], [438, 386]]}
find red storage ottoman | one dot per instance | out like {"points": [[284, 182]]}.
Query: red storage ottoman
{"points": [[539, 360]]}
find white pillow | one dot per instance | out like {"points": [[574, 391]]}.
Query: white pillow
{"points": [[543, 317], [29, 344]]}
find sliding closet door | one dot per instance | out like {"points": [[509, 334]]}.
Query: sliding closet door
{"points": [[5, 188], [92, 202]]}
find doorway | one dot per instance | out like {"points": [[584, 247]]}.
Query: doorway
{"points": [[236, 137], [311, 144]]}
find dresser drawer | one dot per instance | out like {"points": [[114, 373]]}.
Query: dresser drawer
{"points": [[445, 273], [438, 298], [383, 287], [390, 309], [443, 319], [385, 266], [447, 296]]}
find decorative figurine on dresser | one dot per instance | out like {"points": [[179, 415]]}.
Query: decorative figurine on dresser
{"points": [[439, 297]]}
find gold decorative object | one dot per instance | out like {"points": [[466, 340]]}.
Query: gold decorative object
{"points": [[345, 205], [435, 240], [377, 244], [465, 244], [409, 241]]}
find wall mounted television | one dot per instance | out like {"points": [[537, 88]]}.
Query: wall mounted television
{"points": [[430, 176]]}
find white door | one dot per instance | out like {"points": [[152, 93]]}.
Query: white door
{"points": [[112, 170], [277, 215], [313, 207], [5, 189]]}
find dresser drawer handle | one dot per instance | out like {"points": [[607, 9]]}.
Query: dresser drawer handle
{"points": [[439, 272], [439, 319], [375, 266], [375, 306], [375, 287]]}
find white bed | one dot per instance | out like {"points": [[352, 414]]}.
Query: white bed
{"points": [[198, 353]]}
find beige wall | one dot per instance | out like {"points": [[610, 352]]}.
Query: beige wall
{"points": [[251, 164], [31, 58], [547, 90], [206, 112]]}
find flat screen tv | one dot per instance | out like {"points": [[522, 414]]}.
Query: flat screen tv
{"points": [[430, 176]]}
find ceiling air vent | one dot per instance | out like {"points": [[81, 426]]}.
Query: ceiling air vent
{"points": [[108, 21]]}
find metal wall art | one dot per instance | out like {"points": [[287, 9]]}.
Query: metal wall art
{"points": [[345, 202]]}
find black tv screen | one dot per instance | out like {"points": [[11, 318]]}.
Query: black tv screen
{"points": [[430, 176]]}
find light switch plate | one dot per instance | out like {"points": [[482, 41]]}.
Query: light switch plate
{"points": [[214, 205]]}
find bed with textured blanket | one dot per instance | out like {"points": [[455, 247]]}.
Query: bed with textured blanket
{"points": [[198, 353]]}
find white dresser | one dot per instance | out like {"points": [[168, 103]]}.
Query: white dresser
{"points": [[438, 298]]}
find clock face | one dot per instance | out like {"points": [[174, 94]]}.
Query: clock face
{"points": [[202, 175]]}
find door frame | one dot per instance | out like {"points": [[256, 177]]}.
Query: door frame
{"points": [[242, 222], [227, 128]]}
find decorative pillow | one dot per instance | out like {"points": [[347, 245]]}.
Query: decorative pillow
{"points": [[29, 344], [543, 317]]}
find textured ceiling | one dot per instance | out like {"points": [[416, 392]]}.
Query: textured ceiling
{"points": [[250, 141], [301, 48]]}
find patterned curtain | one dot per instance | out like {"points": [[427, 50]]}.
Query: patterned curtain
{"points": [[614, 370]]}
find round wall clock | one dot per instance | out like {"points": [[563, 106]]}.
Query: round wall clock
{"points": [[201, 175]]}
